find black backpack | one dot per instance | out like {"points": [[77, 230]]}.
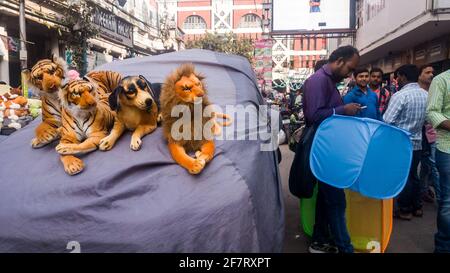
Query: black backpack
{"points": [[301, 179]]}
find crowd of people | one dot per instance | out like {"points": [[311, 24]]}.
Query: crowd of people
{"points": [[418, 102]]}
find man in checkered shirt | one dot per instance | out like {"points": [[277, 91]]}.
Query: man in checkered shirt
{"points": [[407, 110]]}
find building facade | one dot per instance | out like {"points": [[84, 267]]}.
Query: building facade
{"points": [[292, 57], [126, 29], [41, 40], [391, 33], [243, 17]]}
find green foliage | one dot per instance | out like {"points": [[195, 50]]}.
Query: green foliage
{"points": [[227, 43], [78, 20]]}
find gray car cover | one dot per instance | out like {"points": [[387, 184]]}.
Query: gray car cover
{"points": [[126, 201]]}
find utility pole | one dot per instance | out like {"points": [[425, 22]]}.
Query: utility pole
{"points": [[23, 47], [266, 29], [267, 17]]}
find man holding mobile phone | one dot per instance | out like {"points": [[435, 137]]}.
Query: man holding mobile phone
{"points": [[363, 95], [321, 99]]}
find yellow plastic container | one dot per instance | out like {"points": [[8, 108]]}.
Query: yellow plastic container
{"points": [[369, 221]]}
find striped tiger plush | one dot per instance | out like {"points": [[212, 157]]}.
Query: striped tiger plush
{"points": [[86, 116], [46, 78]]}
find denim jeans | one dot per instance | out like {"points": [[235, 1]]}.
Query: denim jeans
{"points": [[429, 166], [410, 199], [442, 237], [330, 224]]}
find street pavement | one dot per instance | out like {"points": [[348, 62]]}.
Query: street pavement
{"points": [[416, 236]]}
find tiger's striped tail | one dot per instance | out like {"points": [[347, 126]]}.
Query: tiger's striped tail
{"points": [[107, 80]]}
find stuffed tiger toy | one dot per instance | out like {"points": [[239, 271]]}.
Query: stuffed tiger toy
{"points": [[46, 78], [86, 116]]}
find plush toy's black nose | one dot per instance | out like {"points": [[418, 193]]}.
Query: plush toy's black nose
{"points": [[148, 102], [131, 88]]}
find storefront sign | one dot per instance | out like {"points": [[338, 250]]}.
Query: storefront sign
{"points": [[437, 51], [112, 27], [420, 55], [263, 62], [431, 52], [374, 7]]}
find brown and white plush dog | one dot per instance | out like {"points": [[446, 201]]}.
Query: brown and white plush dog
{"points": [[134, 101]]}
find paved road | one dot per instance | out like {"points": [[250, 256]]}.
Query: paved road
{"points": [[416, 236]]}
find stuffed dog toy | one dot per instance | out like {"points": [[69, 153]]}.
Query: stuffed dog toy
{"points": [[134, 101]]}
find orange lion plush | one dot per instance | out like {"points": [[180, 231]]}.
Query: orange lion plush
{"points": [[185, 87]]}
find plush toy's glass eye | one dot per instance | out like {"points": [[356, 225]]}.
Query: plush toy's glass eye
{"points": [[186, 88], [141, 84], [39, 77]]}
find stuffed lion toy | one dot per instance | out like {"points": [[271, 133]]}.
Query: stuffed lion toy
{"points": [[185, 87]]}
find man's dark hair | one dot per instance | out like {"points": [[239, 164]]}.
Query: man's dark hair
{"points": [[319, 64], [2, 83], [359, 71], [345, 52], [376, 70], [423, 67], [410, 71]]}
